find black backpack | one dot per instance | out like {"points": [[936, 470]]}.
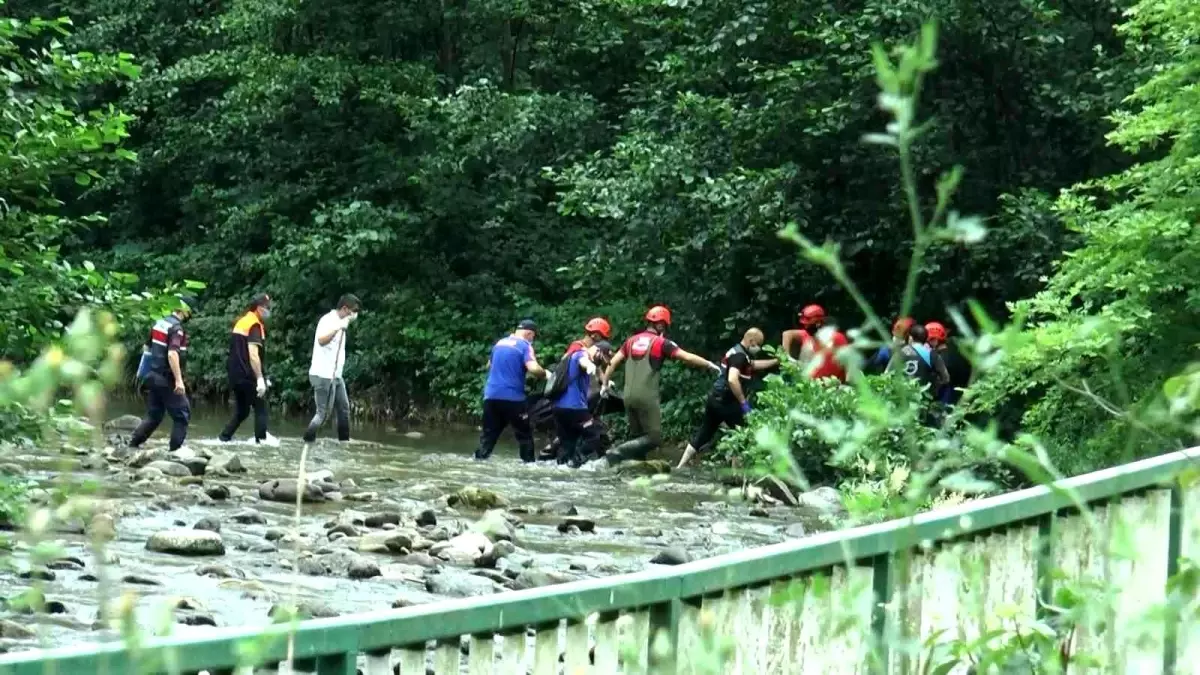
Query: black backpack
{"points": [[559, 382]]}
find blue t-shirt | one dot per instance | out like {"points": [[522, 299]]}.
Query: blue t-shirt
{"points": [[506, 378], [578, 384]]}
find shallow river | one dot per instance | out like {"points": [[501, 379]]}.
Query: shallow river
{"points": [[634, 521]]}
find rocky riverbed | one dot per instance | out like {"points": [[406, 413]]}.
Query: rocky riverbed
{"points": [[207, 536]]}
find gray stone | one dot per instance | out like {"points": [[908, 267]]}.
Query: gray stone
{"points": [[144, 456], [459, 585], [539, 578], [186, 542], [284, 490], [581, 524], [495, 526], [385, 542], [225, 464], [558, 509], [169, 468], [217, 492], [795, 531], [777, 489], [824, 500], [123, 423], [649, 467], [477, 498], [220, 572], [249, 517], [380, 519], [363, 568], [671, 556], [427, 518], [211, 524]]}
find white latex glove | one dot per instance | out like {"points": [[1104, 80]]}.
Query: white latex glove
{"points": [[261, 387]]}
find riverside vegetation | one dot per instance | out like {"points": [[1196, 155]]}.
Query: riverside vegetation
{"points": [[1120, 298]]}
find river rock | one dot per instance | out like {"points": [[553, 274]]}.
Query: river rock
{"points": [[15, 631], [381, 519], [102, 526], [342, 530], [145, 456], [385, 542], [671, 556], [140, 580], [225, 463], [363, 568], [195, 619], [539, 578], [458, 585], [123, 423], [186, 542], [196, 465], [249, 517], [777, 489], [66, 563], [558, 509], [646, 531], [220, 572], [211, 524], [38, 573], [169, 468], [649, 467], [284, 490], [217, 492], [581, 524], [477, 498], [824, 500], [427, 518], [421, 560], [495, 526], [759, 512], [467, 548], [311, 566], [305, 609]]}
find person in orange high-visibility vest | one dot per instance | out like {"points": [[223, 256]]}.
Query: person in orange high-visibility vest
{"points": [[247, 369]]}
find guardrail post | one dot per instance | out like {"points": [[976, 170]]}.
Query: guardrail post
{"points": [[345, 663], [1044, 567], [664, 621], [881, 573], [1174, 548]]}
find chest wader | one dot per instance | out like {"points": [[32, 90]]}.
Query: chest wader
{"points": [[642, 409]]}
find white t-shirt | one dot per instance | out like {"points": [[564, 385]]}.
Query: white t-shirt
{"points": [[324, 357]]}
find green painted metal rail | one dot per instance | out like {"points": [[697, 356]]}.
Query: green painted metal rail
{"points": [[1012, 540]]}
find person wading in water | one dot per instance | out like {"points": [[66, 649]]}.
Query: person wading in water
{"points": [[504, 401], [728, 402], [644, 355]]}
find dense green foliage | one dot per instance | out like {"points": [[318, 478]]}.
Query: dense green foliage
{"points": [[463, 164], [1117, 318]]}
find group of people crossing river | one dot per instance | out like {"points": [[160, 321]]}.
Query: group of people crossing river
{"points": [[579, 389], [581, 385]]}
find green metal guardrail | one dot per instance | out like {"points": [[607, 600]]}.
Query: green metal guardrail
{"points": [[1005, 546]]}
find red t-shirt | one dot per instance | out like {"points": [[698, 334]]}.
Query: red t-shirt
{"points": [[826, 356]]}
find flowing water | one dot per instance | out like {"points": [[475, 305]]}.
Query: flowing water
{"points": [[634, 521]]}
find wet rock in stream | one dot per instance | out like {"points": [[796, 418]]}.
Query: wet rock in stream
{"points": [[284, 490], [186, 542]]}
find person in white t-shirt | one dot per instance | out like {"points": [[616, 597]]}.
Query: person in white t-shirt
{"points": [[325, 373]]}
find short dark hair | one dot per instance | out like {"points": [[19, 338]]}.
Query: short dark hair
{"points": [[259, 300], [918, 333], [348, 300]]}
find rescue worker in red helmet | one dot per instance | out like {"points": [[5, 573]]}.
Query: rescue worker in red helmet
{"points": [[644, 355], [957, 368], [578, 433], [808, 343]]}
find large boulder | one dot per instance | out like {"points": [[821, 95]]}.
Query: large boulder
{"points": [[284, 490], [649, 467], [824, 500], [495, 526], [186, 542], [477, 498], [468, 548]]}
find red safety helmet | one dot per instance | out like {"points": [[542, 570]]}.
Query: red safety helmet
{"points": [[812, 314], [935, 331], [598, 325], [659, 314], [900, 328]]}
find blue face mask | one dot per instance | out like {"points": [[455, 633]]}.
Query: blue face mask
{"points": [[264, 312]]}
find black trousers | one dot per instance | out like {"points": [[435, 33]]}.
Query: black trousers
{"points": [[715, 414], [161, 400], [246, 397], [500, 414], [579, 434]]}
